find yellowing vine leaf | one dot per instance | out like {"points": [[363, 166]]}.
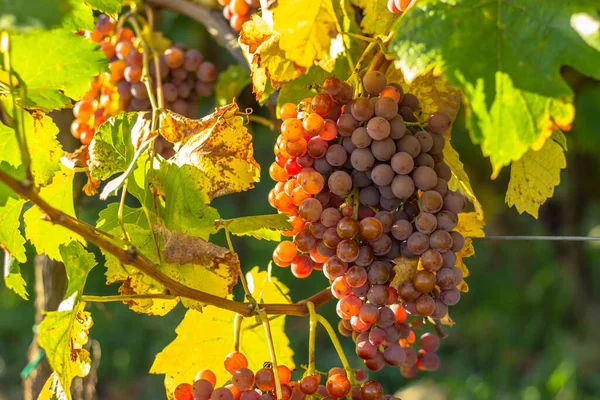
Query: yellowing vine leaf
{"points": [[470, 225], [405, 269], [191, 351], [460, 180], [534, 176], [376, 17], [308, 31], [261, 227], [218, 146], [52, 389], [270, 66], [62, 334]]}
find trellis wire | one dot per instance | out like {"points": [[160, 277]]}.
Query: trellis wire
{"points": [[543, 238]]}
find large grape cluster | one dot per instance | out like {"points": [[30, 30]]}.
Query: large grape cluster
{"points": [[364, 184], [238, 11], [185, 77], [246, 384]]}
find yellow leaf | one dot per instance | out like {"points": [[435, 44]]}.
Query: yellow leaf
{"points": [[307, 29], [377, 19], [219, 147], [155, 39], [470, 225], [62, 334], [432, 89], [204, 339], [447, 320], [534, 176], [261, 46], [460, 180], [52, 389], [184, 261], [405, 269]]}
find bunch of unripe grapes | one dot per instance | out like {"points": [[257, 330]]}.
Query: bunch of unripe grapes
{"points": [[185, 77], [238, 11], [398, 6], [246, 384], [364, 184]]}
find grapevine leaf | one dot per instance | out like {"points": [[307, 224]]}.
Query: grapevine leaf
{"points": [[559, 137], [515, 93], [52, 389], [106, 6], [230, 84], [80, 17], [78, 263], [433, 91], [62, 334], [23, 15], [533, 177], [470, 225], [460, 180], [587, 25], [405, 269], [11, 238], [308, 32], [8, 146], [45, 236], [189, 265], [44, 149], [56, 65], [261, 227], [219, 147], [181, 360], [186, 205], [116, 147], [377, 19], [270, 67], [13, 278]]}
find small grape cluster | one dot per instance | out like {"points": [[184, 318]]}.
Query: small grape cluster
{"points": [[248, 385], [398, 6], [238, 11], [365, 184], [185, 77]]}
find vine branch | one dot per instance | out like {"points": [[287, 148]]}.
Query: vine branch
{"points": [[131, 256]]}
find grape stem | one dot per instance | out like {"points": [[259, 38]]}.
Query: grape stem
{"points": [[120, 211], [267, 326], [312, 335], [338, 348], [238, 320], [129, 255], [249, 296], [438, 328], [126, 297], [18, 117]]}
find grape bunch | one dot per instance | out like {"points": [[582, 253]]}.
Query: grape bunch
{"points": [[398, 6], [246, 384], [238, 11], [365, 185], [185, 77]]}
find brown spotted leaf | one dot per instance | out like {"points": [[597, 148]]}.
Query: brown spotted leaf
{"points": [[219, 147]]}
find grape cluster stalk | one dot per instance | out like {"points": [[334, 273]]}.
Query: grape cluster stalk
{"points": [[365, 186], [245, 384], [184, 73]]}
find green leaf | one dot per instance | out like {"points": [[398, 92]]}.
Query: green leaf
{"points": [[56, 66], [587, 124], [106, 6], [261, 227], [78, 263], [62, 334], [44, 148], [534, 176], [30, 14], [11, 206], [377, 19], [588, 27], [13, 278], [80, 17], [44, 235], [178, 361], [231, 83], [307, 30], [116, 147], [494, 51], [108, 221], [186, 205]]}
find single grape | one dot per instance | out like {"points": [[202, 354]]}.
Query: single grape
{"points": [[340, 183], [222, 394], [425, 305], [425, 178], [418, 243], [431, 201], [376, 363], [383, 150], [429, 342], [428, 362], [402, 229], [369, 196], [243, 379], [397, 127], [309, 384], [362, 159], [425, 140], [425, 160], [446, 221], [438, 122], [394, 355], [334, 267], [382, 175], [458, 241], [370, 228], [347, 228], [362, 110], [350, 305], [347, 250], [336, 155], [374, 82], [403, 186], [378, 128], [378, 295], [441, 241], [234, 361], [365, 350], [381, 245], [408, 292], [432, 260], [365, 256], [454, 202], [321, 104], [265, 379], [450, 297], [424, 281], [409, 144]]}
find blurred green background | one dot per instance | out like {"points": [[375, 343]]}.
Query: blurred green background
{"points": [[528, 328]]}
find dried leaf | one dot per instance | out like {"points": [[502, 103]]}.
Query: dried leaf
{"points": [[405, 269], [220, 149]]}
